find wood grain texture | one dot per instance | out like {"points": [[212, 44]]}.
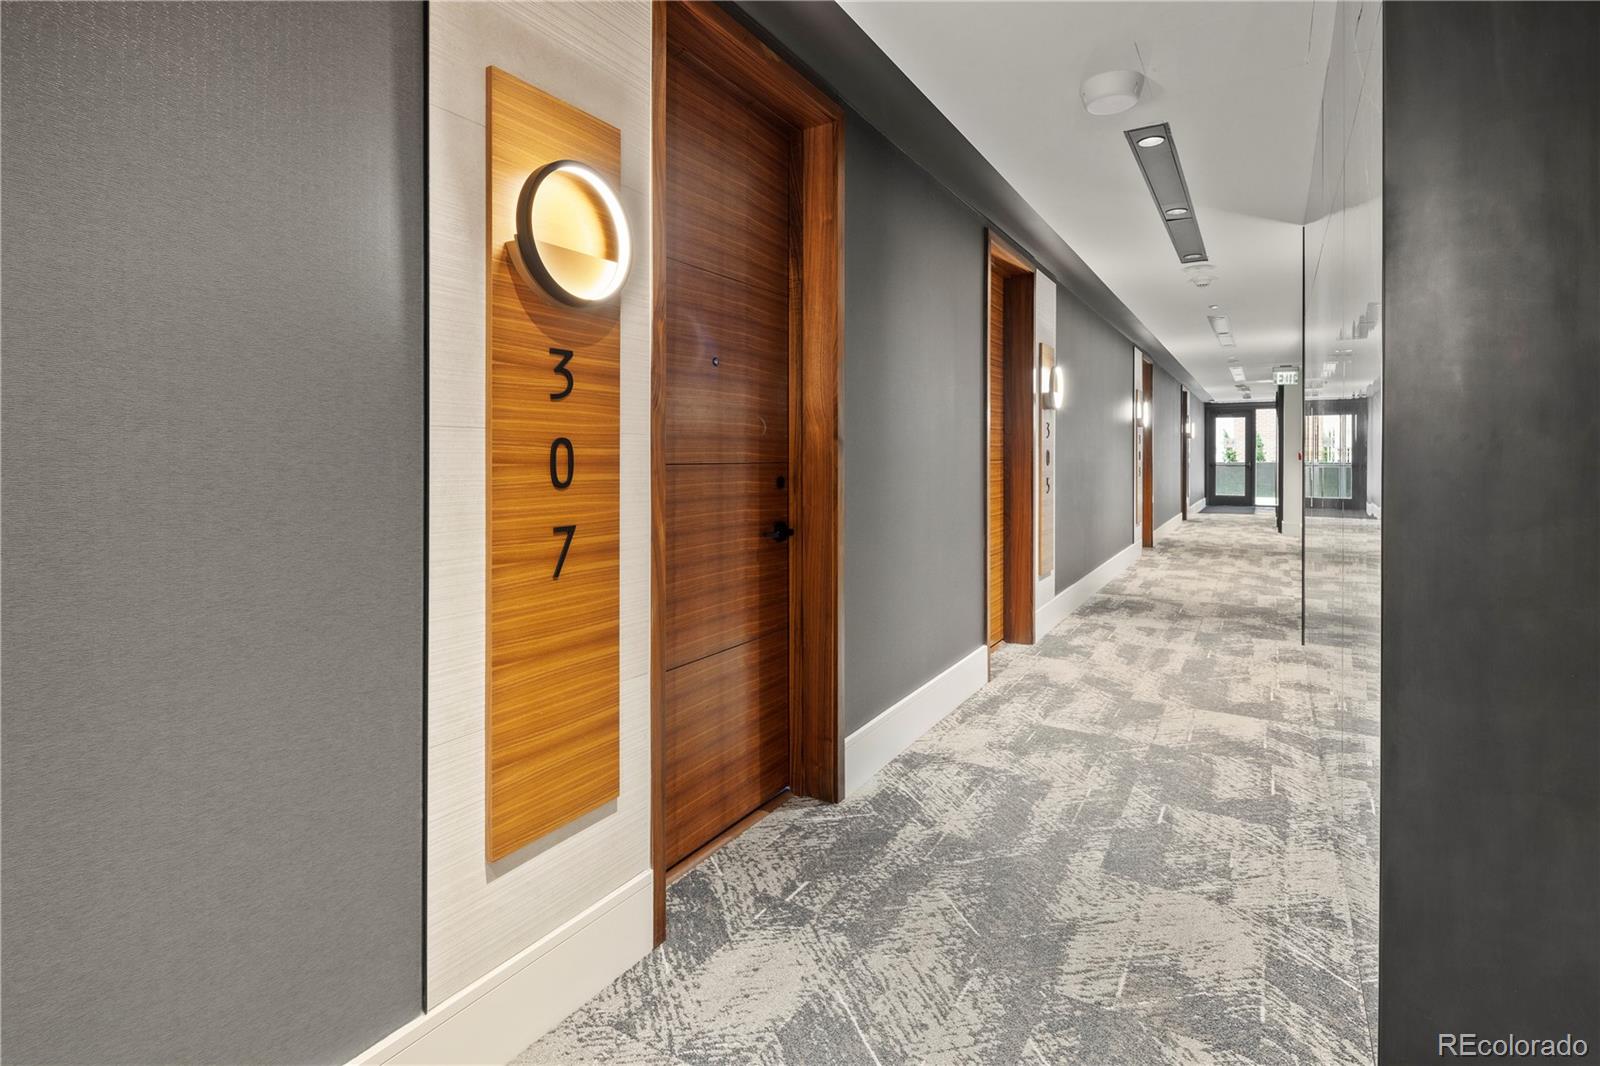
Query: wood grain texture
{"points": [[658, 472], [1019, 487], [819, 754], [1147, 490], [552, 605], [736, 408], [724, 757], [727, 583], [1009, 360]]}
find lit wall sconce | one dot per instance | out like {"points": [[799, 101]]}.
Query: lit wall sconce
{"points": [[1144, 413], [572, 237], [1188, 429], [1052, 387]]}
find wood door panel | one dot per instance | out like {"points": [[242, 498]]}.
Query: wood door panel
{"points": [[736, 409], [727, 583], [727, 739], [727, 182]]}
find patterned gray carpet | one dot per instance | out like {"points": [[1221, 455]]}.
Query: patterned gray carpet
{"points": [[1151, 839]]}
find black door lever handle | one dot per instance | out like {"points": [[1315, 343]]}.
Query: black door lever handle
{"points": [[780, 532]]}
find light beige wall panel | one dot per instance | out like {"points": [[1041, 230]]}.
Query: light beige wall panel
{"points": [[596, 57]]}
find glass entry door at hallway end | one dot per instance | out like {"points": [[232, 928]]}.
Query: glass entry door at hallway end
{"points": [[1230, 466]]}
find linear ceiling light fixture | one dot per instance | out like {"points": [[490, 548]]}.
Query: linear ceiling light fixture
{"points": [[1157, 157], [1224, 332]]}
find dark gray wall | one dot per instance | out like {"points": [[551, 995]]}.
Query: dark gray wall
{"points": [[913, 427], [1490, 882], [213, 529], [1094, 493], [1166, 437]]}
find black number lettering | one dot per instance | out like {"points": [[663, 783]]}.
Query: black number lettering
{"points": [[560, 444], [561, 368], [561, 560]]}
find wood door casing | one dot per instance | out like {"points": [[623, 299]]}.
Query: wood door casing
{"points": [[1009, 447], [1147, 397], [726, 415], [996, 455]]}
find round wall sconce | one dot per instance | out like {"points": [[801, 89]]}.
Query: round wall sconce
{"points": [[572, 237]]}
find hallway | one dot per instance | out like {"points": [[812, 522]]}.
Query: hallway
{"points": [[1152, 838]]}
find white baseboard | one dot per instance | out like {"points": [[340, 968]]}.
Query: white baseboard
{"points": [[1373, 510], [1169, 525], [1077, 594], [496, 1017], [869, 749]]}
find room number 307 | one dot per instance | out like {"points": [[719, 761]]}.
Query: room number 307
{"points": [[562, 461]]}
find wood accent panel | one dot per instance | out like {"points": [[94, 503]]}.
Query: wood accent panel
{"points": [[1148, 489], [720, 750], [1019, 516], [552, 606], [702, 33], [726, 582], [996, 454]]}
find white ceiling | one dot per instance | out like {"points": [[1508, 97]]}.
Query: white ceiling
{"points": [[1239, 82]]}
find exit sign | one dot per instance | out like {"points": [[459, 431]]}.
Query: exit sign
{"points": [[1289, 376]]}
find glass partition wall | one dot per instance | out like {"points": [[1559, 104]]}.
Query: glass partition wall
{"points": [[1342, 374]]}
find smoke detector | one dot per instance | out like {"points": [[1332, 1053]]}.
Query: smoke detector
{"points": [[1200, 274], [1112, 92]]}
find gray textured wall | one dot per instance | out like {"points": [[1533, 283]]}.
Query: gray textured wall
{"points": [[1491, 613], [213, 540], [1094, 496], [1167, 436], [913, 427]]}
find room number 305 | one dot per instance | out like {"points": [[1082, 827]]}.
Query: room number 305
{"points": [[562, 459]]}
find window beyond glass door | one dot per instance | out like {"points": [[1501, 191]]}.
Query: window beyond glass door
{"points": [[1266, 447], [1230, 439], [1330, 466]]}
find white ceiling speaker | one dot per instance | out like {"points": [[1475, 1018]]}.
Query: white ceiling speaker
{"points": [[1112, 92]]}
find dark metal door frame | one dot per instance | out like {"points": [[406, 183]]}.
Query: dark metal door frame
{"points": [[1231, 410]]}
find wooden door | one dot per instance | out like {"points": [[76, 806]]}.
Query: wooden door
{"points": [[725, 435], [1183, 440], [1147, 442]]}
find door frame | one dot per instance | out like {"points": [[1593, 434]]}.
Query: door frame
{"points": [[1146, 420], [1248, 411], [1017, 397], [704, 32], [1183, 462]]}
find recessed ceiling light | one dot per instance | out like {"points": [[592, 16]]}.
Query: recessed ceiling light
{"points": [[1192, 256], [1177, 212], [1152, 141], [1214, 307]]}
